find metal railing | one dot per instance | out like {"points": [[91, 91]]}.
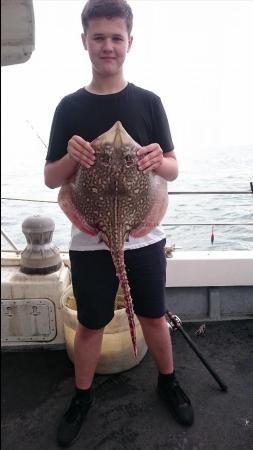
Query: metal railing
{"points": [[10, 241], [169, 193], [13, 245]]}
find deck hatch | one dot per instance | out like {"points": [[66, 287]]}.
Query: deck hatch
{"points": [[28, 320]]}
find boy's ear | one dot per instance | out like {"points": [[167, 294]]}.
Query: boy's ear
{"points": [[83, 36], [130, 41]]}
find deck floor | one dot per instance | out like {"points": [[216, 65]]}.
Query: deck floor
{"points": [[37, 387]]}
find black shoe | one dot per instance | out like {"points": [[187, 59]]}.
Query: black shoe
{"points": [[176, 400], [71, 423]]}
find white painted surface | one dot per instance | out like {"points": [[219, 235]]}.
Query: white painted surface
{"points": [[21, 287], [192, 268], [203, 268], [30, 320], [17, 31], [184, 269]]}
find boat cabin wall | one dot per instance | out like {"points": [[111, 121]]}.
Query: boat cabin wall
{"points": [[200, 287]]}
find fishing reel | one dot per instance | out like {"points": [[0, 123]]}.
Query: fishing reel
{"points": [[173, 322]]}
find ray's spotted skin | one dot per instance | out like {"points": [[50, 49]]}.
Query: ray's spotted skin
{"points": [[114, 199]]}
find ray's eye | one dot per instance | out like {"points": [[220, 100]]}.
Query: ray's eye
{"points": [[104, 159], [129, 160], [107, 147]]}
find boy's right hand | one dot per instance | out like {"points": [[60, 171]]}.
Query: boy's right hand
{"points": [[81, 151]]}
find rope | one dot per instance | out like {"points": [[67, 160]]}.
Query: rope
{"points": [[169, 193], [28, 200], [164, 224], [207, 224], [208, 192]]}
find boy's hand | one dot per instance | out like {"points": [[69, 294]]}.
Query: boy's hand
{"points": [[151, 157], [81, 151]]}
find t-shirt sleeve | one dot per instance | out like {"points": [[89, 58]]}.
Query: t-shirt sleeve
{"points": [[59, 134], [161, 128]]}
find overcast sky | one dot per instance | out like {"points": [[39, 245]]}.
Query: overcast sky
{"points": [[197, 55]]}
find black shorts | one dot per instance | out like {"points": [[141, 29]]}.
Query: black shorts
{"points": [[95, 283]]}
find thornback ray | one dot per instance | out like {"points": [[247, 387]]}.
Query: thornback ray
{"points": [[114, 200]]}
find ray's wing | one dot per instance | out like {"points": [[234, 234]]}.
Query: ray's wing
{"points": [[67, 204], [158, 207]]}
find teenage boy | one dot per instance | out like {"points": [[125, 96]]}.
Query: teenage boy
{"points": [[79, 118]]}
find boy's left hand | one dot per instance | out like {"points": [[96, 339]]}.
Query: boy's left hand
{"points": [[151, 157]]}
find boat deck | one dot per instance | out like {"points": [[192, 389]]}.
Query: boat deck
{"points": [[37, 386]]}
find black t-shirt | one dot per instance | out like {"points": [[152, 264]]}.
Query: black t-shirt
{"points": [[89, 115]]}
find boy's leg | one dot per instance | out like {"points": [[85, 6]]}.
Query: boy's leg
{"points": [[158, 340], [87, 348], [146, 269], [157, 337], [95, 306]]}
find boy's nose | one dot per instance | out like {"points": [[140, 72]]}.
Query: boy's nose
{"points": [[108, 45]]}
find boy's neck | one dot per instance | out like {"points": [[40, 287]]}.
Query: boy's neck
{"points": [[105, 86]]}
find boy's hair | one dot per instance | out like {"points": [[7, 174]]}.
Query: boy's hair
{"points": [[94, 9]]}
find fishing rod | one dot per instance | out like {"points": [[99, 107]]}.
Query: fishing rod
{"points": [[36, 133], [175, 323]]}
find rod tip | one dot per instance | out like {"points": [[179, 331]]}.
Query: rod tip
{"points": [[224, 388]]}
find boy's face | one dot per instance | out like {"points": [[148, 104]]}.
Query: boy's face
{"points": [[107, 42]]}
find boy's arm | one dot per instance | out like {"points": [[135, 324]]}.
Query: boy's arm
{"points": [[58, 172], [168, 168], [163, 164]]}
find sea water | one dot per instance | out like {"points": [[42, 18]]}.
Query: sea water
{"points": [[189, 220]]}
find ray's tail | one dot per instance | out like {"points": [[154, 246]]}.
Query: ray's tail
{"points": [[119, 263]]}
